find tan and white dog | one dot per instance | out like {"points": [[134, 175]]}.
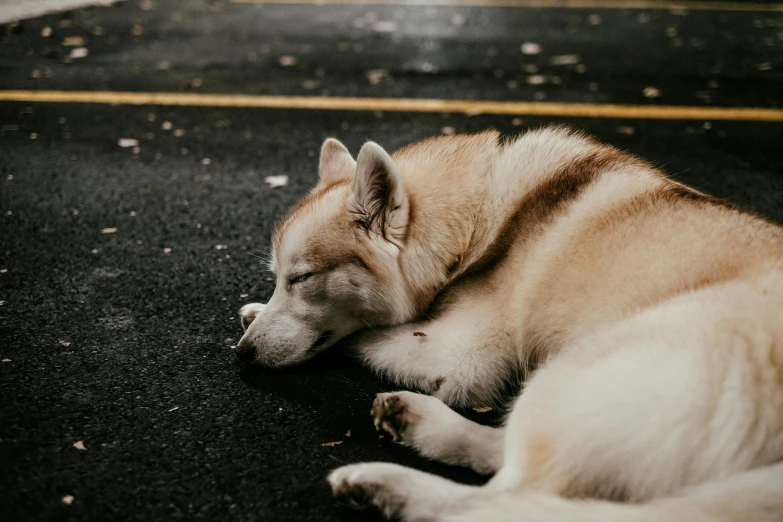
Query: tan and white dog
{"points": [[652, 313]]}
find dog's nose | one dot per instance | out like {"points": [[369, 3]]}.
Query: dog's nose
{"points": [[245, 351]]}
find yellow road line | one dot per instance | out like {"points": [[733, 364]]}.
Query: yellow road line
{"points": [[568, 4], [580, 110]]}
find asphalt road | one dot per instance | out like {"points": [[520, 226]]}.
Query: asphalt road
{"points": [[122, 268]]}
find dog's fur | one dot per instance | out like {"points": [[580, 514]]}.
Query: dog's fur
{"points": [[652, 312]]}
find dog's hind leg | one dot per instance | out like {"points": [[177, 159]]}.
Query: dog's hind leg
{"points": [[755, 495], [438, 432], [397, 491]]}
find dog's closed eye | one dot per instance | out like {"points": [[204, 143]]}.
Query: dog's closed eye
{"points": [[300, 278]]}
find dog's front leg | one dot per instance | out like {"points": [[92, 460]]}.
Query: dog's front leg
{"points": [[464, 358], [249, 312], [426, 424]]}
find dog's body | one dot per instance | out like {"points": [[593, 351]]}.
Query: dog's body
{"points": [[653, 313]]}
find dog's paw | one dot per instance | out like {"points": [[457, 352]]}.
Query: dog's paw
{"points": [[248, 312], [372, 484], [350, 487], [395, 413]]}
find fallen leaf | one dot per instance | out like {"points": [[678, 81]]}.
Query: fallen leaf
{"points": [[79, 445], [276, 181], [374, 76], [530, 48], [485, 409], [127, 142], [380, 436], [384, 26], [651, 92], [109, 230], [331, 444], [65, 343], [564, 59], [6, 360], [67, 500], [78, 52], [419, 334], [3, 270], [287, 61], [73, 41], [348, 433]]}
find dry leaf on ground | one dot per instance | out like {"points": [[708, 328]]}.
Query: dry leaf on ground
{"points": [[276, 181], [126, 143]]}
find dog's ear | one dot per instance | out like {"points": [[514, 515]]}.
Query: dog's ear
{"points": [[336, 162], [379, 203]]}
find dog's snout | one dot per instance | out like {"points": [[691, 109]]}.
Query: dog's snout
{"points": [[245, 351]]}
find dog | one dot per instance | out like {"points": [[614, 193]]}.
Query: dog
{"points": [[646, 315]]}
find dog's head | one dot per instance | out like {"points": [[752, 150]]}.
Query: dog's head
{"points": [[336, 260]]}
